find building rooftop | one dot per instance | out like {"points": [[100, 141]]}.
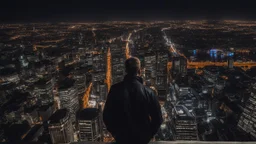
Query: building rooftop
{"points": [[87, 114], [58, 116], [183, 113], [66, 83]]}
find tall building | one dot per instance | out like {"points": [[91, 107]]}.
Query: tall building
{"points": [[185, 124], [60, 127], [80, 83], [183, 66], [230, 63], [161, 75], [211, 73], [117, 62], [44, 90], [68, 97], [89, 125], [150, 69], [179, 66], [103, 91], [247, 121]]}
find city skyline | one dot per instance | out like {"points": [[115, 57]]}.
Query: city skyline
{"points": [[55, 78]]}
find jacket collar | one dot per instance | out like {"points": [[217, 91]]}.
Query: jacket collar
{"points": [[132, 78]]}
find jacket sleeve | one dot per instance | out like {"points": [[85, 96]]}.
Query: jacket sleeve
{"points": [[155, 114], [108, 113]]}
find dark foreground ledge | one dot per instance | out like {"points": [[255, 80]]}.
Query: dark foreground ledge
{"points": [[178, 142]]}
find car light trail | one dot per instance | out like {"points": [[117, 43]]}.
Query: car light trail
{"points": [[108, 72], [87, 95], [127, 49]]}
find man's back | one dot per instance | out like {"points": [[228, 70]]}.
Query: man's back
{"points": [[132, 111]]}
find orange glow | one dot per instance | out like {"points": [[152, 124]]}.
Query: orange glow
{"points": [[95, 52], [86, 96], [243, 65], [40, 118], [108, 139], [34, 48], [242, 51], [108, 72], [127, 49], [199, 72], [224, 77], [225, 108]]}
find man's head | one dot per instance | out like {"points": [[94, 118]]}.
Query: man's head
{"points": [[132, 66]]}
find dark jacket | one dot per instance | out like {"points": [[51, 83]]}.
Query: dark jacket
{"points": [[132, 113]]}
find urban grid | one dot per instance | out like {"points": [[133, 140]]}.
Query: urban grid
{"points": [[55, 78]]}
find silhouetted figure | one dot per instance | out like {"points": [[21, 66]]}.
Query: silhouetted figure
{"points": [[132, 113]]}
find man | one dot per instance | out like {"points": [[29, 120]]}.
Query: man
{"points": [[132, 113]]}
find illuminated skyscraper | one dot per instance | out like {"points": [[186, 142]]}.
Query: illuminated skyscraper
{"points": [[161, 75], [247, 121], [89, 125], [103, 91], [117, 62], [60, 127], [68, 97], [185, 124], [44, 90], [150, 68], [80, 83], [179, 66]]}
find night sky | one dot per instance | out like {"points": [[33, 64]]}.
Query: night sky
{"points": [[104, 10]]}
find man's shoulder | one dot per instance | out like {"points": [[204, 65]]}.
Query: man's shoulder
{"points": [[148, 90], [117, 85]]}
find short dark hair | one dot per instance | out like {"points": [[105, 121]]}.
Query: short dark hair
{"points": [[132, 65]]}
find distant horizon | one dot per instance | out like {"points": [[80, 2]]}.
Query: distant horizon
{"points": [[132, 21]]}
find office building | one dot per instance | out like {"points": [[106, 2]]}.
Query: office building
{"points": [[44, 90], [90, 128], [150, 69], [60, 127], [161, 75], [211, 73], [247, 121], [103, 91], [117, 62], [179, 66], [185, 124], [68, 97], [80, 81]]}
